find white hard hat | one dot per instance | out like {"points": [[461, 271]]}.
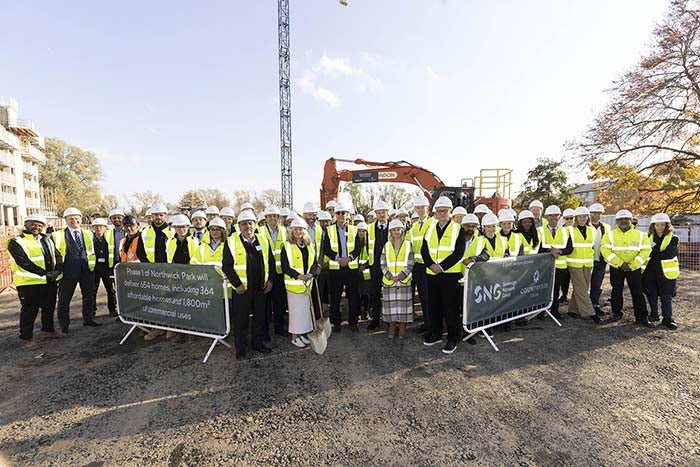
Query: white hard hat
{"points": [[526, 214], [180, 220], [396, 224], [324, 216], [470, 219], [512, 211], [116, 212], [489, 219], [443, 202], [273, 210], [284, 212], [331, 204], [217, 222], [36, 218], [247, 205], [568, 212], [212, 210], [299, 222], [504, 215], [392, 212], [100, 221], [148, 211], [459, 210], [360, 218], [596, 207], [380, 205], [421, 200], [372, 213], [310, 207], [581, 211], [72, 212], [415, 216], [481, 209], [246, 215], [660, 217], [536, 204], [339, 207], [401, 212], [361, 226], [551, 210], [623, 214], [227, 211], [199, 214], [159, 208], [261, 217]]}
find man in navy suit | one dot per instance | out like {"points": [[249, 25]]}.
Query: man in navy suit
{"points": [[78, 252]]}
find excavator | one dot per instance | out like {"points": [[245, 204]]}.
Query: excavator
{"points": [[470, 194]]}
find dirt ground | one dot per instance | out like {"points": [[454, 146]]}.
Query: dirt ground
{"points": [[576, 395]]}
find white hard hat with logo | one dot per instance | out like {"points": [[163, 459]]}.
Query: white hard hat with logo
{"points": [[299, 222], [310, 208], [199, 214], [100, 221], [180, 220], [72, 212], [470, 219], [481, 209], [623, 214], [596, 207], [552, 210], [246, 215], [526, 214], [116, 212], [661, 217], [581, 211], [159, 208], [489, 219]]}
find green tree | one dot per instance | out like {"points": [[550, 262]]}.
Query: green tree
{"points": [[72, 174], [547, 181]]}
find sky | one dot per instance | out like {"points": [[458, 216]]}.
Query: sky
{"points": [[172, 95]]}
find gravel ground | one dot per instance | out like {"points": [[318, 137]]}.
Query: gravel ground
{"points": [[576, 395]]}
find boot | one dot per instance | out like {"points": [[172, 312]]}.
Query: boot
{"points": [[669, 324]]}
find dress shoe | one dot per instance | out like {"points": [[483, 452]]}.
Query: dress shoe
{"points": [[372, 326], [49, 334], [571, 314], [669, 324], [65, 330], [598, 311], [597, 319], [644, 322], [262, 348], [92, 324], [654, 317], [615, 317], [354, 328], [563, 300]]}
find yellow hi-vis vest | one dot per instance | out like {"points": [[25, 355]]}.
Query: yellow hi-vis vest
{"points": [[583, 254], [372, 240], [559, 241], [670, 267], [364, 257], [59, 240], [439, 250], [632, 247], [240, 262], [204, 256], [35, 254], [109, 236], [396, 261], [171, 247], [318, 240], [416, 236], [481, 242], [513, 242], [528, 247], [277, 246], [148, 237], [350, 237], [295, 259], [469, 248]]}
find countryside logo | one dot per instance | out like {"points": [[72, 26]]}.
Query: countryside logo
{"points": [[487, 293], [536, 277]]}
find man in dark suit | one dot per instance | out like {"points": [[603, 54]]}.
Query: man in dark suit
{"points": [[77, 249]]}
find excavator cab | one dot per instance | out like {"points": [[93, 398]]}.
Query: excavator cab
{"points": [[460, 196]]}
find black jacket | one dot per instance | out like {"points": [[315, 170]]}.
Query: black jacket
{"points": [[23, 261]]}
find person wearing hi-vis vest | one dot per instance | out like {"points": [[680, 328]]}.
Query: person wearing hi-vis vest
{"points": [[527, 231], [104, 265], [626, 250], [421, 206], [554, 240], [299, 267], [365, 285], [599, 264], [397, 293], [130, 248], [247, 264], [78, 253], [116, 233], [199, 225], [276, 300], [229, 216], [536, 207], [506, 221], [155, 236], [181, 248], [377, 236], [661, 270], [579, 262], [442, 251], [36, 265], [342, 246]]}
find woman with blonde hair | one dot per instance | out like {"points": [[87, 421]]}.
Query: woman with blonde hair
{"points": [[397, 292], [661, 271]]}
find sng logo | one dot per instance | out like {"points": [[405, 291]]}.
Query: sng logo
{"points": [[536, 277], [487, 293]]}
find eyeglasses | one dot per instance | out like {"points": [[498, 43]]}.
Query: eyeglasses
{"points": [[568, 218]]}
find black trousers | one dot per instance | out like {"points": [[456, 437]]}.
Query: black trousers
{"points": [[375, 298], [564, 284], [252, 302], [276, 304], [324, 287], [348, 279], [33, 298], [66, 289], [420, 279], [108, 283], [559, 276], [443, 291], [634, 282]]}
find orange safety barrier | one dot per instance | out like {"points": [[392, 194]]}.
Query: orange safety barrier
{"points": [[5, 271]]}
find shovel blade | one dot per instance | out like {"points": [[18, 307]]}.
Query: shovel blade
{"points": [[325, 324], [318, 341]]}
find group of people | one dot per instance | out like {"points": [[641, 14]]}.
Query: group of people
{"points": [[281, 267]]}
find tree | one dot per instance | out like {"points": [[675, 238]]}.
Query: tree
{"points": [[142, 201], [652, 123], [202, 197], [271, 196], [547, 181], [245, 196], [72, 174], [106, 204]]}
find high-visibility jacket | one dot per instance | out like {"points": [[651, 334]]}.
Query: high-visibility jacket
{"points": [[277, 246], [632, 247], [468, 249], [481, 242], [59, 240], [372, 240], [598, 238], [129, 256], [35, 254], [109, 236], [529, 247], [240, 263], [295, 259], [318, 240], [203, 255], [559, 241], [670, 267], [416, 235], [513, 242], [148, 237], [363, 258], [351, 236], [583, 253], [171, 247], [440, 249], [396, 261]]}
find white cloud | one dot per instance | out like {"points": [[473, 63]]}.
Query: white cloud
{"points": [[327, 96], [431, 73]]}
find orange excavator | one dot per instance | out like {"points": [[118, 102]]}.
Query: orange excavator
{"points": [[470, 194]]}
